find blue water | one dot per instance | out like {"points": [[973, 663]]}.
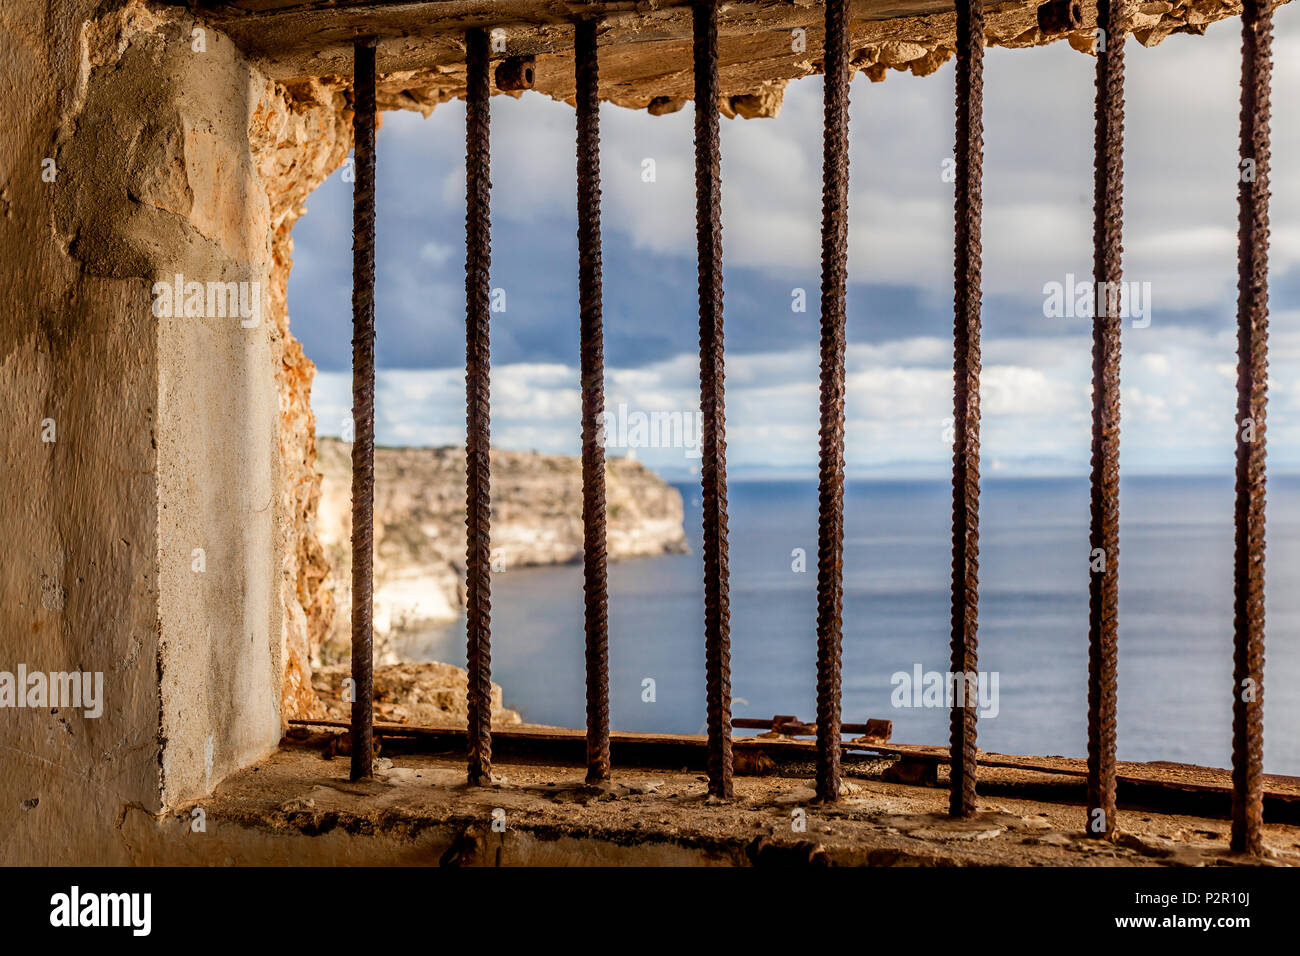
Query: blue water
{"points": [[1175, 663]]}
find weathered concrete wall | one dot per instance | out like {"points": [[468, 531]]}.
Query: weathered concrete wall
{"points": [[163, 537], [182, 199], [79, 514], [166, 427]]}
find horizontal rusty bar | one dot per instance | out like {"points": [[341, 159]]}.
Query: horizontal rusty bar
{"points": [[792, 726], [564, 734], [674, 751], [627, 749]]}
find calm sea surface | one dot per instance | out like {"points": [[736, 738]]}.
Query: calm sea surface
{"points": [[1175, 663]]}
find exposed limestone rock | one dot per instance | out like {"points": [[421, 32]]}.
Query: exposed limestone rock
{"points": [[663, 105], [427, 694], [420, 528], [765, 102], [645, 48], [299, 135]]}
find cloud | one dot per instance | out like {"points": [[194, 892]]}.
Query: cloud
{"points": [[1180, 228], [1177, 406]]}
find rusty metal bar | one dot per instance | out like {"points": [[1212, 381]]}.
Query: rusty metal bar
{"points": [[713, 460], [792, 726], [363, 407], [1175, 788], [1252, 404], [969, 155], [830, 511], [586, 68], [1103, 558], [478, 261]]}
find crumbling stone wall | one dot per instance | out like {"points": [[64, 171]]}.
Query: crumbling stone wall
{"points": [[646, 47], [300, 133]]}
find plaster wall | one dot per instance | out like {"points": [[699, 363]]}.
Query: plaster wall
{"points": [[165, 429]]}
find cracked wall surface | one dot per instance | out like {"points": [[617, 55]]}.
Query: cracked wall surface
{"points": [[147, 534], [79, 513], [169, 190]]}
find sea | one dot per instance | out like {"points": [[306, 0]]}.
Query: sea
{"points": [[1175, 618]]}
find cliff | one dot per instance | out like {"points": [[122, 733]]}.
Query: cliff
{"points": [[420, 529]]}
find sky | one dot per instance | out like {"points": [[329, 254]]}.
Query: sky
{"points": [[1179, 345]]}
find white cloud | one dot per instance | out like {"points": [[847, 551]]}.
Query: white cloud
{"points": [[438, 253], [1178, 403], [1180, 224]]}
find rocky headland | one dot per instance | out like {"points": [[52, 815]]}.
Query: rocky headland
{"points": [[420, 529]]}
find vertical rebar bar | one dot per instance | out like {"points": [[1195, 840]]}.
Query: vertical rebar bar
{"points": [[830, 514], [592, 349], [1252, 403], [363, 407], [969, 156], [478, 261], [1103, 558], [713, 459]]}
